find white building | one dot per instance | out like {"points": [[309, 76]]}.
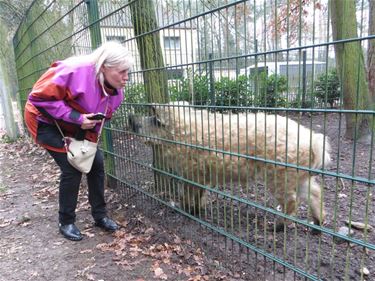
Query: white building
{"points": [[178, 41]]}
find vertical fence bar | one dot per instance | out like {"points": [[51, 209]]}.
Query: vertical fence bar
{"points": [[93, 18], [96, 41], [212, 79], [304, 81]]}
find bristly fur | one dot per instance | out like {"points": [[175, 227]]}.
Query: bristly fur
{"points": [[263, 147]]}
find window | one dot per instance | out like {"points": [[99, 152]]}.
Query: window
{"points": [[115, 38], [171, 42], [174, 74], [258, 70]]}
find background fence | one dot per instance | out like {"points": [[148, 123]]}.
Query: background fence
{"points": [[235, 59]]}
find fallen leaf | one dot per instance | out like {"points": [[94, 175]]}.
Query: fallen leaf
{"points": [[88, 234], [365, 271], [159, 273], [359, 225], [5, 223], [85, 251], [90, 277]]}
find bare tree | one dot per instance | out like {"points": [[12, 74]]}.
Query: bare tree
{"points": [[151, 55], [11, 14], [371, 51], [351, 67], [6, 88]]}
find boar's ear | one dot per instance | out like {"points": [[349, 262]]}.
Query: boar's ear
{"points": [[156, 108], [152, 109]]}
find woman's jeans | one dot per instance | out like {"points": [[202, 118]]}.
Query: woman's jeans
{"points": [[70, 180]]}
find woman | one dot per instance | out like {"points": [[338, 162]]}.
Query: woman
{"points": [[70, 92]]}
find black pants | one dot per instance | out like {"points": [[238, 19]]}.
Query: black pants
{"points": [[70, 180]]}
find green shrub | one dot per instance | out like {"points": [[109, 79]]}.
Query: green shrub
{"points": [[226, 91], [270, 90], [327, 87], [135, 93], [235, 92], [180, 90]]}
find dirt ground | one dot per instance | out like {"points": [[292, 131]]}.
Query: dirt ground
{"points": [[158, 243], [31, 248], [322, 256]]}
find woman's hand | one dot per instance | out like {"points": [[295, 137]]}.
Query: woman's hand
{"points": [[88, 124]]}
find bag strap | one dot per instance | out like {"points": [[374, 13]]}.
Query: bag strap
{"points": [[58, 127], [101, 128], [61, 132], [101, 124]]}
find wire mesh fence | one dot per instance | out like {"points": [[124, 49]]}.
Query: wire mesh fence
{"points": [[251, 120]]}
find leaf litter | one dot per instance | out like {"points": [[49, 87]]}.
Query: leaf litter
{"points": [[141, 249]]}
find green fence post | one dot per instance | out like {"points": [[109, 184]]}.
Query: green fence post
{"points": [[212, 85], [96, 41], [304, 81], [93, 17]]}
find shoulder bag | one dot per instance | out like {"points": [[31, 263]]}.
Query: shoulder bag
{"points": [[81, 153]]}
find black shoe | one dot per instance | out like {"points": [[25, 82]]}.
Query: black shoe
{"points": [[71, 232], [106, 224]]}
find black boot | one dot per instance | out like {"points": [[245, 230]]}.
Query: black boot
{"points": [[106, 224], [70, 231]]}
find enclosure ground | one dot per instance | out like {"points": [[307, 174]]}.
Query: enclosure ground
{"points": [[318, 255], [31, 247], [158, 243]]}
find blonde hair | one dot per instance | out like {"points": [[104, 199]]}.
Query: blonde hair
{"points": [[109, 54]]}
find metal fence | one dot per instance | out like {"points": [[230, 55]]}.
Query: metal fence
{"points": [[266, 119]]}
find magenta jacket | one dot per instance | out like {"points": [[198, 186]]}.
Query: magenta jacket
{"points": [[65, 91]]}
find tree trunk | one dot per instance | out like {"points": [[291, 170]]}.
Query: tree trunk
{"points": [[151, 55], [6, 105], [350, 67], [7, 84], [152, 64], [371, 51]]}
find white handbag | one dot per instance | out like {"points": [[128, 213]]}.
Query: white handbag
{"points": [[81, 153]]}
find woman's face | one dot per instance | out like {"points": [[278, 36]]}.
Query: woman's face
{"points": [[116, 76]]}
